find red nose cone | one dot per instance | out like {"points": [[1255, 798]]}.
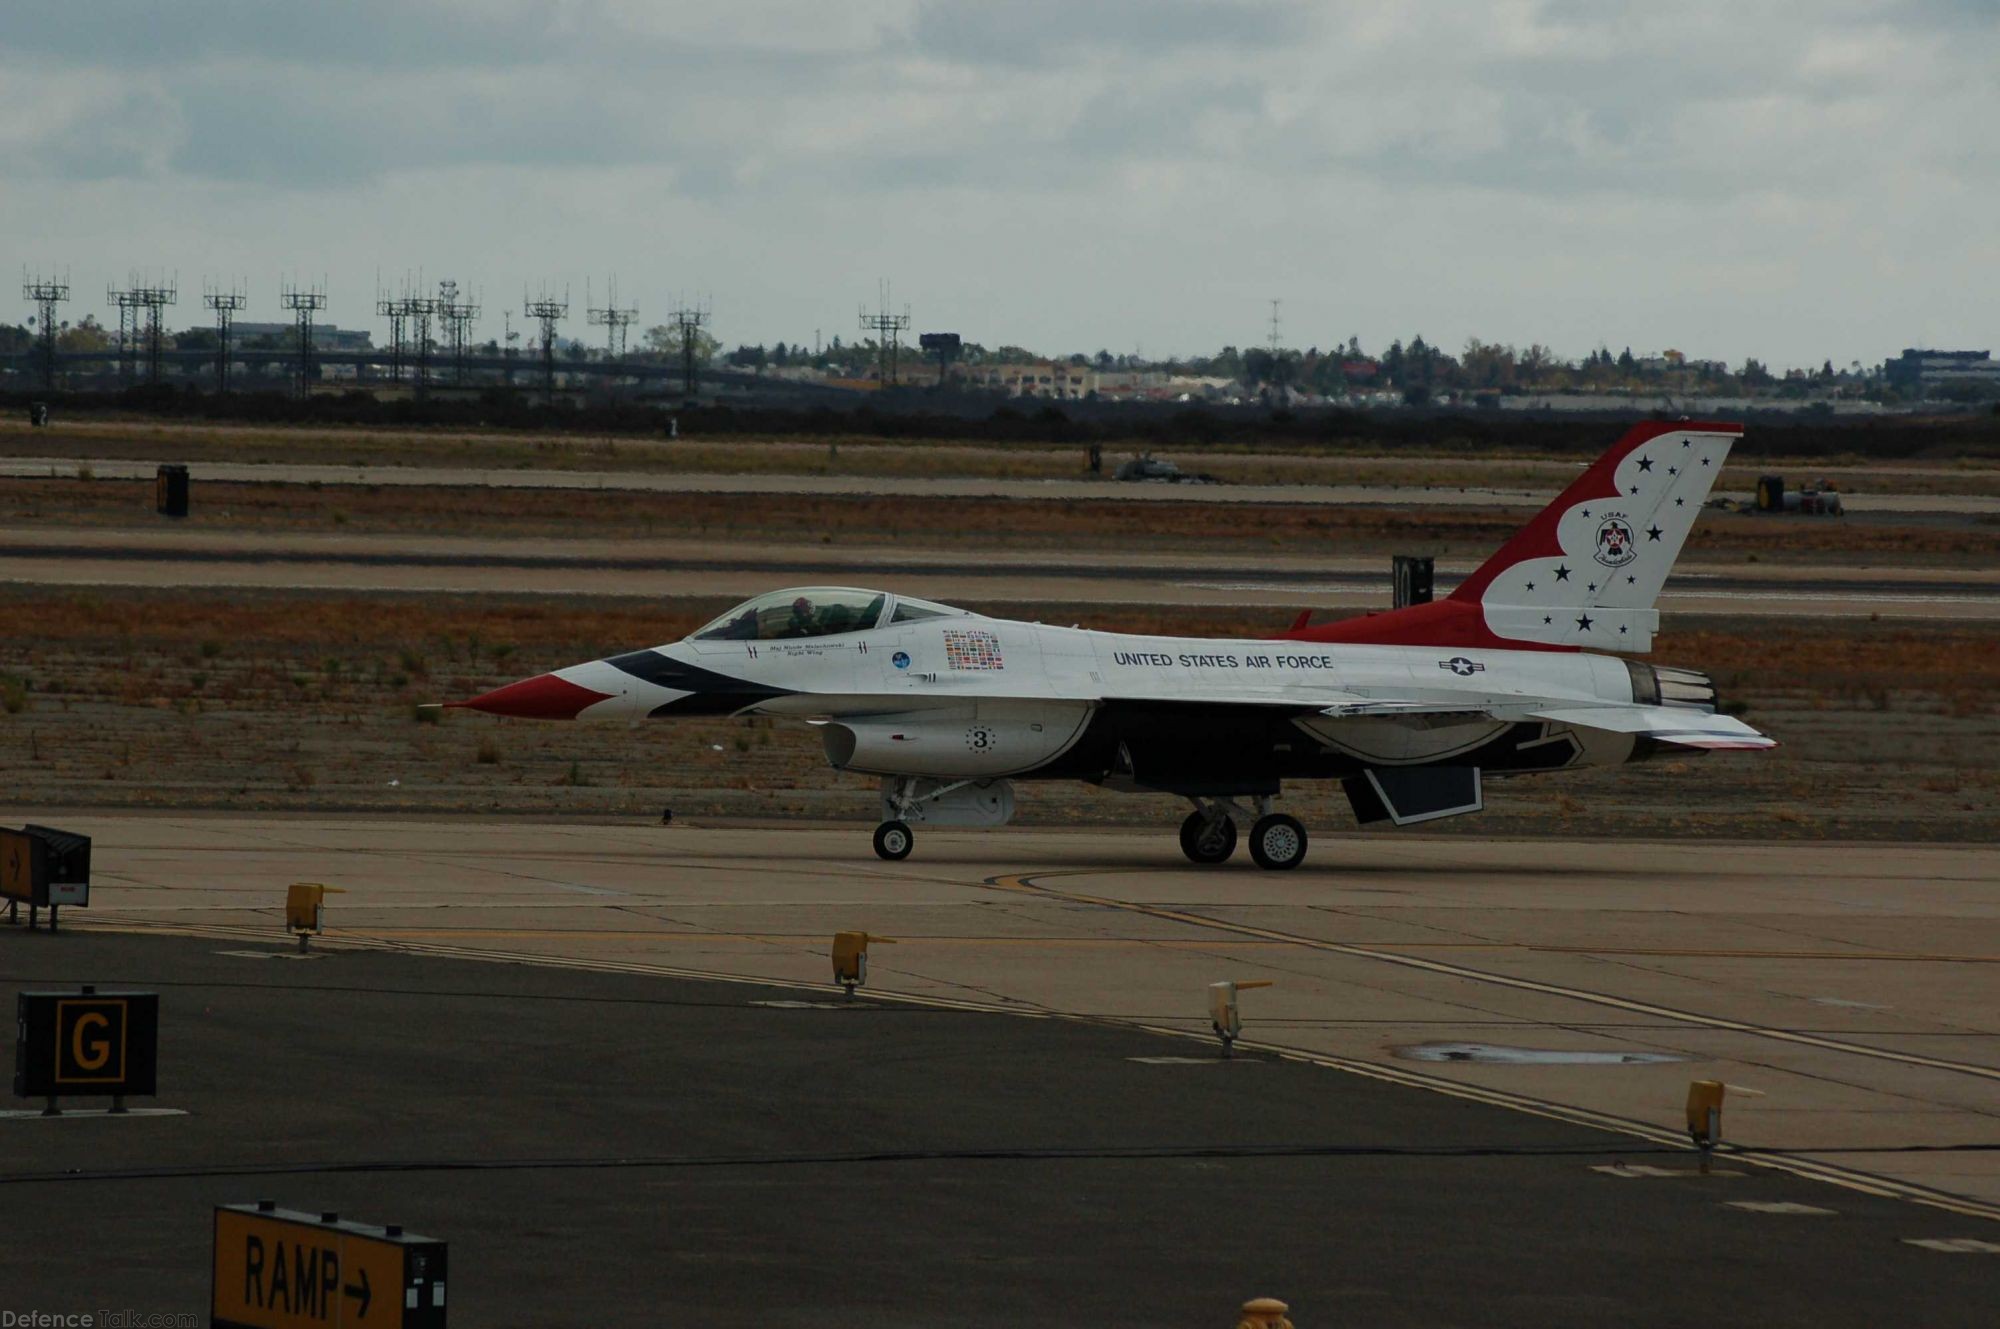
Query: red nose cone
{"points": [[543, 697]]}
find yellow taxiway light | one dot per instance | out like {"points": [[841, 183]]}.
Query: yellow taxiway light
{"points": [[305, 909], [1264, 1312], [1225, 1013], [1704, 1116], [850, 958]]}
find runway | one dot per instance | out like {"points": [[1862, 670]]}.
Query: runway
{"points": [[697, 482], [1850, 993]]}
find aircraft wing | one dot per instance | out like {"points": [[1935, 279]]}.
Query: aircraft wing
{"points": [[1668, 724], [1678, 725]]}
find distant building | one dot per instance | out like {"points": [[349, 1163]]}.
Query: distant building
{"points": [[1038, 379], [326, 336], [1918, 372]]}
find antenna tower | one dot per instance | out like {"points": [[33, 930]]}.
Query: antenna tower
{"points": [[549, 311], [225, 304], [455, 317], [391, 308], [1275, 340], [150, 299], [46, 293], [412, 312], [888, 329], [688, 320], [612, 319], [304, 302], [128, 329]]}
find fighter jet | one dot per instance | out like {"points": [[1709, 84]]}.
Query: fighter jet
{"points": [[1412, 710]]}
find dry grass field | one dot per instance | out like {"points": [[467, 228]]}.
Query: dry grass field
{"points": [[306, 701]]}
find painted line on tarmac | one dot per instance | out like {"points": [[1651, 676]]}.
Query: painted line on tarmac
{"points": [[1029, 883], [1812, 1169]]}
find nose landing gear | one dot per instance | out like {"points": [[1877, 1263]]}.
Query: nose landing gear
{"points": [[894, 840]]}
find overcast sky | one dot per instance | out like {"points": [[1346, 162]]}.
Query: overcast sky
{"points": [[1795, 181]]}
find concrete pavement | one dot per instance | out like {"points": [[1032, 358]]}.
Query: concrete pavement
{"points": [[1855, 988]]}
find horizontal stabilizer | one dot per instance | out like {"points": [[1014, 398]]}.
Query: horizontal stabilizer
{"points": [[1667, 724]]}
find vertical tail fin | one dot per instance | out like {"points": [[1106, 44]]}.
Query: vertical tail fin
{"points": [[1589, 567]]}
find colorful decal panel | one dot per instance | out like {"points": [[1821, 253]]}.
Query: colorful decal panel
{"points": [[972, 648]]}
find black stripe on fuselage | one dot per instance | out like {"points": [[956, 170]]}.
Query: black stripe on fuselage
{"points": [[710, 693]]}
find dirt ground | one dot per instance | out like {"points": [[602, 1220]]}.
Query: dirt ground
{"points": [[303, 701], [63, 503], [1361, 462]]}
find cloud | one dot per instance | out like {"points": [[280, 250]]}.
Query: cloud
{"points": [[1554, 170]]}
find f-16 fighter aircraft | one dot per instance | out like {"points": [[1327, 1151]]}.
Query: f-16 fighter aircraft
{"points": [[1411, 710]]}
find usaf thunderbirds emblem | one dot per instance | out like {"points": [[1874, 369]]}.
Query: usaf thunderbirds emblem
{"points": [[901, 659], [1614, 542]]}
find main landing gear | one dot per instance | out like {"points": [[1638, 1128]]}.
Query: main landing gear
{"points": [[1277, 842]]}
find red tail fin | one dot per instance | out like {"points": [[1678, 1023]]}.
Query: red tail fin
{"points": [[1587, 570]]}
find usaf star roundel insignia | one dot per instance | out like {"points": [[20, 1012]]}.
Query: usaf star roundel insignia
{"points": [[901, 659], [1461, 666], [1614, 542]]}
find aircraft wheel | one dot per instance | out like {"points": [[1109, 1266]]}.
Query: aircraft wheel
{"points": [[893, 840], [1204, 841], [1278, 842]]}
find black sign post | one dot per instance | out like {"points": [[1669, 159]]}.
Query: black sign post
{"points": [[43, 868], [86, 1043]]}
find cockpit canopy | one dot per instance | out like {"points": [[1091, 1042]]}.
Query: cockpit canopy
{"points": [[817, 611]]}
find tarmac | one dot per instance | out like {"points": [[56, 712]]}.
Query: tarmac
{"points": [[615, 1146], [1854, 988]]}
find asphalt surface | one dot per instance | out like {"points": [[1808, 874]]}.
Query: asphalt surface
{"points": [[625, 1149]]}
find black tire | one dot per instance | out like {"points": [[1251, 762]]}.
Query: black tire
{"points": [[1278, 842], [1203, 843], [894, 840]]}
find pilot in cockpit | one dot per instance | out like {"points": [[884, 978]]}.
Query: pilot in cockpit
{"points": [[801, 624]]}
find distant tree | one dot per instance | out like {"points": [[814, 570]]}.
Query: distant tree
{"points": [[1393, 364], [14, 339], [664, 340], [1625, 361], [1755, 375], [89, 335], [196, 339]]}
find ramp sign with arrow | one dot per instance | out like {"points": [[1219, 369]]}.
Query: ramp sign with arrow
{"points": [[281, 1269]]}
